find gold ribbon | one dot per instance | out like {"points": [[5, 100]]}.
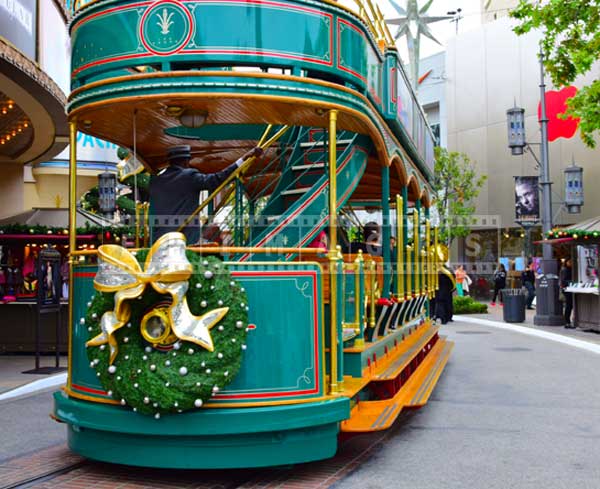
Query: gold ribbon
{"points": [[167, 270]]}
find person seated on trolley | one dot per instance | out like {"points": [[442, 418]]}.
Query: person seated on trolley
{"points": [[174, 192]]}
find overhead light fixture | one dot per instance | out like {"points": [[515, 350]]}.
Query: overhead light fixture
{"points": [[174, 110], [193, 118]]}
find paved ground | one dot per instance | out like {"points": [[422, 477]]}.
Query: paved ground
{"points": [[13, 366], [510, 411]]}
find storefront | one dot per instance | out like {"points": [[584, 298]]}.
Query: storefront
{"points": [[583, 241]]}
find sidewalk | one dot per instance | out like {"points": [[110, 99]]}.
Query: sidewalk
{"points": [[12, 366], [495, 314]]}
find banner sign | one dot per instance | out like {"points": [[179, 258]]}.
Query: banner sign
{"points": [[527, 202], [18, 24]]}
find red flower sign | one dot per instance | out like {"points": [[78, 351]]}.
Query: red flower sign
{"points": [[556, 104]]}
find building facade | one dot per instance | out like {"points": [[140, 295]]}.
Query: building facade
{"points": [[489, 70]]}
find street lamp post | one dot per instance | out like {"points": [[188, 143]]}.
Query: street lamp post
{"points": [[548, 310]]}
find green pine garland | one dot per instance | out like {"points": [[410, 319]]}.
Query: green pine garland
{"points": [[150, 380]]}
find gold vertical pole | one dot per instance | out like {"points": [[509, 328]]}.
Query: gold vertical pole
{"points": [[436, 259], [409, 268], [428, 255], [333, 252], [417, 250], [372, 298], [400, 289], [72, 234]]}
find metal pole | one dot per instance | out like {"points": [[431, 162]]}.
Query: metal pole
{"points": [[333, 252], [547, 309], [72, 234], [545, 182]]}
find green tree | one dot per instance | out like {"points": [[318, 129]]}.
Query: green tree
{"points": [[571, 45], [456, 184]]}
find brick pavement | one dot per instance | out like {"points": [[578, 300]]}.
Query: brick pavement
{"points": [[316, 475]]}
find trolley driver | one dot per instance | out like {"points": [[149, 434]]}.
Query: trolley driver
{"points": [[174, 192]]}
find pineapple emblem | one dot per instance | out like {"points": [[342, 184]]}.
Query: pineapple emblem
{"points": [[164, 21], [166, 27]]}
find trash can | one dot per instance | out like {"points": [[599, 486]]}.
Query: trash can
{"points": [[514, 305]]}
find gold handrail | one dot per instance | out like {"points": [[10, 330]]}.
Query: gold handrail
{"points": [[400, 289], [238, 171], [226, 249]]}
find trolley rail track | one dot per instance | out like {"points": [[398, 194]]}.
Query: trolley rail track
{"points": [[45, 476]]}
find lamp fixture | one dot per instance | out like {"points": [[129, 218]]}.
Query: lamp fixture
{"points": [[174, 110], [193, 118]]}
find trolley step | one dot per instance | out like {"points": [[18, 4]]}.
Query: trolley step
{"points": [[412, 346], [369, 416]]}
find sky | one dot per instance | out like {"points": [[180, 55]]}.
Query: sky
{"points": [[443, 30]]}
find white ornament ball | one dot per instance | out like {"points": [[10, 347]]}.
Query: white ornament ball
{"points": [[198, 285], [119, 377], [242, 289], [102, 347], [226, 373], [208, 370], [145, 357], [232, 284], [136, 385], [198, 384], [123, 402], [205, 263], [109, 393], [157, 416], [82, 321], [233, 340], [146, 400], [112, 369], [203, 304], [243, 305], [243, 347], [152, 368], [183, 371], [239, 324], [220, 302], [89, 304], [155, 405], [219, 355], [167, 384], [89, 328], [177, 345], [208, 274], [139, 370], [175, 404], [221, 328], [168, 363], [198, 403], [215, 389], [174, 353], [94, 316], [126, 339], [97, 374], [148, 349], [135, 410], [126, 357], [212, 287], [190, 351]]}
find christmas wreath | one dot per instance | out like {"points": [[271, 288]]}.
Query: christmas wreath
{"points": [[167, 327]]}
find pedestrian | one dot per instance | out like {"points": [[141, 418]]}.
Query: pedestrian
{"points": [[174, 192], [566, 275], [499, 284], [528, 280], [461, 280], [444, 307]]}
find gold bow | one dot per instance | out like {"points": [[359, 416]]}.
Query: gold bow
{"points": [[167, 269]]}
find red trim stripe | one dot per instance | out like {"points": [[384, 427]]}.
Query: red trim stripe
{"points": [[89, 390]]}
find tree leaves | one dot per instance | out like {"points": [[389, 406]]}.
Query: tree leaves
{"points": [[456, 184], [571, 44]]}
